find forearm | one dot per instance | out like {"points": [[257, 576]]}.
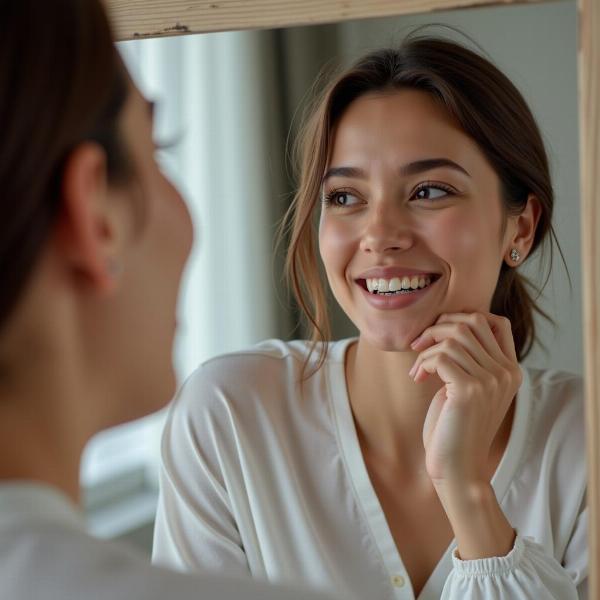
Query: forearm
{"points": [[480, 527]]}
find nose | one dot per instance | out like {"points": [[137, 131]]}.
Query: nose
{"points": [[387, 230]]}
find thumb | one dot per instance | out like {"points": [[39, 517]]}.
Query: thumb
{"points": [[433, 415]]}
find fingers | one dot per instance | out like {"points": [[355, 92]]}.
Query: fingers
{"points": [[447, 368], [451, 333], [493, 333], [480, 344], [502, 330], [453, 350]]}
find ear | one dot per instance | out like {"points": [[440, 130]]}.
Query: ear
{"points": [[88, 228], [522, 230]]}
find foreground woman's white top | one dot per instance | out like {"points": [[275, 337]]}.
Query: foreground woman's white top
{"points": [[45, 554], [261, 477]]}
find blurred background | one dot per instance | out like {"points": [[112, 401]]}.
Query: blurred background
{"points": [[231, 103]]}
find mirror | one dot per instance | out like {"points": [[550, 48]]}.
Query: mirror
{"points": [[535, 45]]}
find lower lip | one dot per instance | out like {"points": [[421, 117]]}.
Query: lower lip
{"points": [[397, 301]]}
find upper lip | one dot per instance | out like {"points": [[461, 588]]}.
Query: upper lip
{"points": [[391, 272]]}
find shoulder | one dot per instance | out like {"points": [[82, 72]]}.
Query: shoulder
{"points": [[103, 570], [557, 399], [554, 381], [268, 369], [260, 385], [251, 407], [97, 568], [556, 431], [272, 357]]}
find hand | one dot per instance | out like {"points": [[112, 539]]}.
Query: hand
{"points": [[474, 356]]}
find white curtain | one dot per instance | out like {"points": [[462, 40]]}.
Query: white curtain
{"points": [[217, 96]]}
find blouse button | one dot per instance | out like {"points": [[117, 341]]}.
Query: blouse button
{"points": [[398, 581]]}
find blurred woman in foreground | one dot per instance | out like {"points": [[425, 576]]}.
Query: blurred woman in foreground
{"points": [[93, 241]]}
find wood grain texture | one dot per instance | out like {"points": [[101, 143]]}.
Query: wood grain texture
{"points": [[589, 127], [133, 19]]}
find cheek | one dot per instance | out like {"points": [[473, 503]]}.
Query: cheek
{"points": [[461, 239], [471, 248], [335, 247]]}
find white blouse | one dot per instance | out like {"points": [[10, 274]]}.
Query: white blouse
{"points": [[263, 475], [46, 554]]}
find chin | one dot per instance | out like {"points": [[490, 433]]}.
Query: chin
{"points": [[394, 333], [388, 341], [165, 391]]}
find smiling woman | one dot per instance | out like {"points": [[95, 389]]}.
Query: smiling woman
{"points": [[401, 463], [397, 211], [450, 95]]}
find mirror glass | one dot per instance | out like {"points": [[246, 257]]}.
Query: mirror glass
{"points": [[228, 108]]}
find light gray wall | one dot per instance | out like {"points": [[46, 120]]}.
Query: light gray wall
{"points": [[536, 46]]}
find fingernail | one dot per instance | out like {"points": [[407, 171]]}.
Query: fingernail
{"points": [[410, 373], [416, 342]]}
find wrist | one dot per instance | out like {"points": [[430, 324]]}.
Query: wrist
{"points": [[480, 527], [464, 495]]}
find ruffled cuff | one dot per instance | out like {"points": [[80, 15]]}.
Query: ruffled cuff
{"points": [[495, 565], [525, 572]]}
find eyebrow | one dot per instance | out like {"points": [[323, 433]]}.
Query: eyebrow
{"points": [[413, 168]]}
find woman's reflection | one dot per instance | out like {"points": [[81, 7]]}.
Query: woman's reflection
{"points": [[421, 457]]}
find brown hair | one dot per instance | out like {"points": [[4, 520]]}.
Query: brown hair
{"points": [[490, 110], [62, 83]]}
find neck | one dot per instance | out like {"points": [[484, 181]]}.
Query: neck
{"points": [[389, 410], [30, 453], [389, 407], [43, 427]]}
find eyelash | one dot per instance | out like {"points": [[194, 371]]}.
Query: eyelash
{"points": [[329, 199], [435, 185]]}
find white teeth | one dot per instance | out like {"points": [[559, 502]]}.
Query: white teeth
{"points": [[398, 284]]}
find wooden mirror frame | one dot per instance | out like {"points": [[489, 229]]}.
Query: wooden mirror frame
{"points": [[136, 19]]}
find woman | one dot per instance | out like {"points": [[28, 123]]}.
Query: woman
{"points": [[93, 240], [419, 460]]}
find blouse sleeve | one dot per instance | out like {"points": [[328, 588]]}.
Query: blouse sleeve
{"points": [[527, 572], [195, 527]]}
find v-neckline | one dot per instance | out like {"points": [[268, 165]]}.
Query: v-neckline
{"points": [[364, 491]]}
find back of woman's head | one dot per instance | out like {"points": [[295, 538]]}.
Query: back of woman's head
{"points": [[489, 109], [61, 82]]}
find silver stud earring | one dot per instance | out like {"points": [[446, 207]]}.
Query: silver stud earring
{"points": [[514, 255]]}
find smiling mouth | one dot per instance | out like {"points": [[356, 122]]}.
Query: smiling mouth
{"points": [[397, 286]]}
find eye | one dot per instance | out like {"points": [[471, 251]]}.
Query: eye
{"points": [[340, 199], [429, 191]]}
